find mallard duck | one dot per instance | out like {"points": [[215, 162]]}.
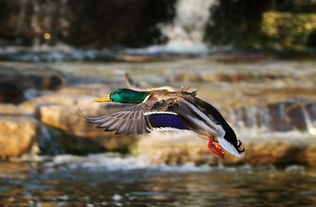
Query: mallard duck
{"points": [[168, 109]]}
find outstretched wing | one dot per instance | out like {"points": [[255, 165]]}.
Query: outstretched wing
{"points": [[142, 118]]}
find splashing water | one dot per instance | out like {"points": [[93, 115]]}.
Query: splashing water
{"points": [[310, 123], [115, 162], [187, 30], [186, 33], [295, 116]]}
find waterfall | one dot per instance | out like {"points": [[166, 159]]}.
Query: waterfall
{"points": [[187, 30], [290, 116], [310, 122], [186, 33]]}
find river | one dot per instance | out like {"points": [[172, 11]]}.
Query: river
{"points": [[113, 180]]}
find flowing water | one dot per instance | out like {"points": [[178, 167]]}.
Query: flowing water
{"points": [[112, 180], [186, 33]]}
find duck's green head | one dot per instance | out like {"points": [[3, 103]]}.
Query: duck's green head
{"points": [[123, 95]]}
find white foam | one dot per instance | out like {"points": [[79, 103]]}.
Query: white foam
{"points": [[294, 168], [59, 52], [186, 33], [115, 162], [117, 197], [176, 47]]}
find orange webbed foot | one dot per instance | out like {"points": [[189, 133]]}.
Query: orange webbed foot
{"points": [[215, 147]]}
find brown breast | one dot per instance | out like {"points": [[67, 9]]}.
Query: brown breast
{"points": [[162, 94]]}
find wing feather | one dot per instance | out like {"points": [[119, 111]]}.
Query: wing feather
{"points": [[121, 128], [141, 118]]}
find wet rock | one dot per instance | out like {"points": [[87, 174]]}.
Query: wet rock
{"points": [[178, 149], [277, 151], [99, 23], [72, 96], [239, 57], [60, 110], [24, 135], [16, 80], [17, 135], [9, 109], [74, 133], [229, 76], [50, 99], [174, 148]]}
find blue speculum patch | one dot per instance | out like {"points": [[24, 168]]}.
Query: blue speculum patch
{"points": [[166, 120]]}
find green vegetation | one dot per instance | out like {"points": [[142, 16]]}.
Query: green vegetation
{"points": [[284, 30]]}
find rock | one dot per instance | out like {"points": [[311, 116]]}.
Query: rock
{"points": [[17, 135], [60, 112], [277, 151], [230, 76], [9, 109], [85, 23], [75, 134], [174, 148], [16, 80], [24, 135], [178, 149], [50, 99], [240, 57], [75, 96]]}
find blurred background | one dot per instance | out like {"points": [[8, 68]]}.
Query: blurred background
{"points": [[253, 60]]}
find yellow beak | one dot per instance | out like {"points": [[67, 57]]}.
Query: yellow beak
{"points": [[103, 99]]}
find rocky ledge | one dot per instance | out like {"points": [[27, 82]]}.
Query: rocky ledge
{"points": [[56, 116], [175, 149], [276, 124], [18, 82]]}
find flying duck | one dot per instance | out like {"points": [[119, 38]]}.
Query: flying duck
{"points": [[166, 108]]}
